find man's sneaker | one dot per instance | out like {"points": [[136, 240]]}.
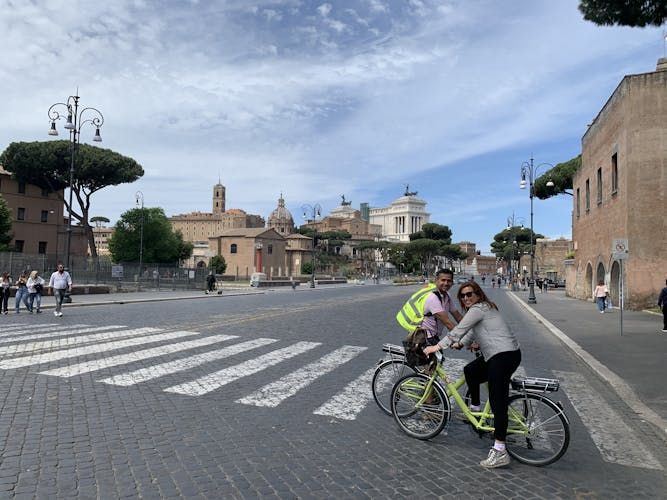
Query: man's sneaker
{"points": [[664, 330], [55, 313], [495, 459], [60, 313]]}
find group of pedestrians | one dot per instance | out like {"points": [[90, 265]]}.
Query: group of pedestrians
{"points": [[30, 288]]}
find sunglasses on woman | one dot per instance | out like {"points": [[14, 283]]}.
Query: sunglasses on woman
{"points": [[468, 294]]}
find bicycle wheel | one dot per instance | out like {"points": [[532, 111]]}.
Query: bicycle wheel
{"points": [[538, 431], [419, 421], [385, 376]]}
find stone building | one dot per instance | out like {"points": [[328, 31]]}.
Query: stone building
{"points": [[550, 256], [102, 235], [249, 250], [620, 192], [198, 227], [39, 226], [405, 215]]}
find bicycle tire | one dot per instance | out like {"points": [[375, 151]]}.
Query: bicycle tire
{"points": [[548, 429], [385, 376], [421, 422]]}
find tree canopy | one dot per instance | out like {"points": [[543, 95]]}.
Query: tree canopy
{"points": [[161, 244], [5, 225], [512, 243], [47, 165], [561, 175], [432, 231], [218, 264], [635, 13]]}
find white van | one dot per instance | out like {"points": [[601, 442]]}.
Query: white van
{"points": [[255, 278]]}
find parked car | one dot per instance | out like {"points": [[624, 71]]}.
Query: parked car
{"points": [[255, 278]]}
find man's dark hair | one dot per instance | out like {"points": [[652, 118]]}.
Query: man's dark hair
{"points": [[444, 271]]}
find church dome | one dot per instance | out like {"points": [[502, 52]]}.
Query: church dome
{"points": [[281, 218]]}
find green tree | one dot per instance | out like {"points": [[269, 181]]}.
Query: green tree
{"points": [[635, 13], [99, 221], [218, 264], [432, 231], [452, 253], [424, 251], [513, 243], [5, 225], [561, 175], [161, 244], [48, 164]]}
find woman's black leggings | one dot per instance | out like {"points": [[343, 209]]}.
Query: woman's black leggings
{"points": [[497, 371]]}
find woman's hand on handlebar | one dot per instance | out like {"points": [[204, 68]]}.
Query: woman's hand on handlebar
{"points": [[431, 349]]}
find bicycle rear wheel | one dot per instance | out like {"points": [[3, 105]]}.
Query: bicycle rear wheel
{"points": [[538, 431], [421, 421], [385, 376]]}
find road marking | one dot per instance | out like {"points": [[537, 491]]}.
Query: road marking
{"points": [[14, 329], [276, 392], [122, 359], [616, 441], [35, 359], [160, 370], [61, 333], [348, 403], [215, 380]]}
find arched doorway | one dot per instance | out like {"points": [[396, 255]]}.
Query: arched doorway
{"points": [[599, 274], [588, 280]]}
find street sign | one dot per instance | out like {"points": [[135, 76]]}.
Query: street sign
{"points": [[619, 245], [619, 255], [116, 271]]}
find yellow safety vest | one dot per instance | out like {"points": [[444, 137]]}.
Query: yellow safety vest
{"points": [[412, 313]]}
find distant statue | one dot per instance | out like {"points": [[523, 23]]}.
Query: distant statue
{"points": [[408, 192], [345, 203]]}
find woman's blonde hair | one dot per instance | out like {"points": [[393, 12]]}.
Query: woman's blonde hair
{"points": [[34, 273]]}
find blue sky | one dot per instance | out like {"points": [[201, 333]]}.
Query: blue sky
{"points": [[319, 99]]}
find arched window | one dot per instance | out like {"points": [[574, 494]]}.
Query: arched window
{"points": [[233, 248]]}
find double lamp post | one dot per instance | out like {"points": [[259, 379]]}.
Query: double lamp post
{"points": [[75, 120], [530, 171]]}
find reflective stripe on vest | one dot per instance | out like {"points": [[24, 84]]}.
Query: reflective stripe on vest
{"points": [[412, 313]]}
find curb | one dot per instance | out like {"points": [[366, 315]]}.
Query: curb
{"points": [[623, 390]]}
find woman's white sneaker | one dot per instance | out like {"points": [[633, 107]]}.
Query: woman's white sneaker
{"points": [[495, 459]]}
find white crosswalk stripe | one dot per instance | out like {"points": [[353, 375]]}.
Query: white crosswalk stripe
{"points": [[47, 357], [45, 334], [352, 400], [123, 359], [160, 370], [14, 329], [616, 441], [215, 380], [276, 392]]}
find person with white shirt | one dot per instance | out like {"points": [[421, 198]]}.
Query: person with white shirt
{"points": [[59, 284]]}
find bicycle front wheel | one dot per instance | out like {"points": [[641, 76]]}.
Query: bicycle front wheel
{"points": [[385, 376], [538, 432], [419, 411]]}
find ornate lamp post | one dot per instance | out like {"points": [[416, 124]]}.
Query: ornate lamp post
{"points": [[314, 212], [531, 171], [75, 120], [139, 196]]}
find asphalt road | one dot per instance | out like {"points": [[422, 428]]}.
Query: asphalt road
{"points": [[245, 397]]}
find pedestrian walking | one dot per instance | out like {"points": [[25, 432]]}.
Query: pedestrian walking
{"points": [[22, 292], [600, 294], [662, 303], [5, 291], [210, 282], [35, 289], [59, 284]]}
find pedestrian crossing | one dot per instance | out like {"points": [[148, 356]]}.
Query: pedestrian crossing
{"points": [[177, 354]]}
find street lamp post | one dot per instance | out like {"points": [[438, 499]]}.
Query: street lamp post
{"points": [[314, 212], [75, 120], [531, 170], [139, 196]]}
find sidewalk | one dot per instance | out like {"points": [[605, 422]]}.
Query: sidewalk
{"points": [[634, 364]]}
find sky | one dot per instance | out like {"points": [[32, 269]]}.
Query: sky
{"points": [[318, 99]]}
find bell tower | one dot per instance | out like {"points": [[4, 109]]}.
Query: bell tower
{"points": [[218, 198]]}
